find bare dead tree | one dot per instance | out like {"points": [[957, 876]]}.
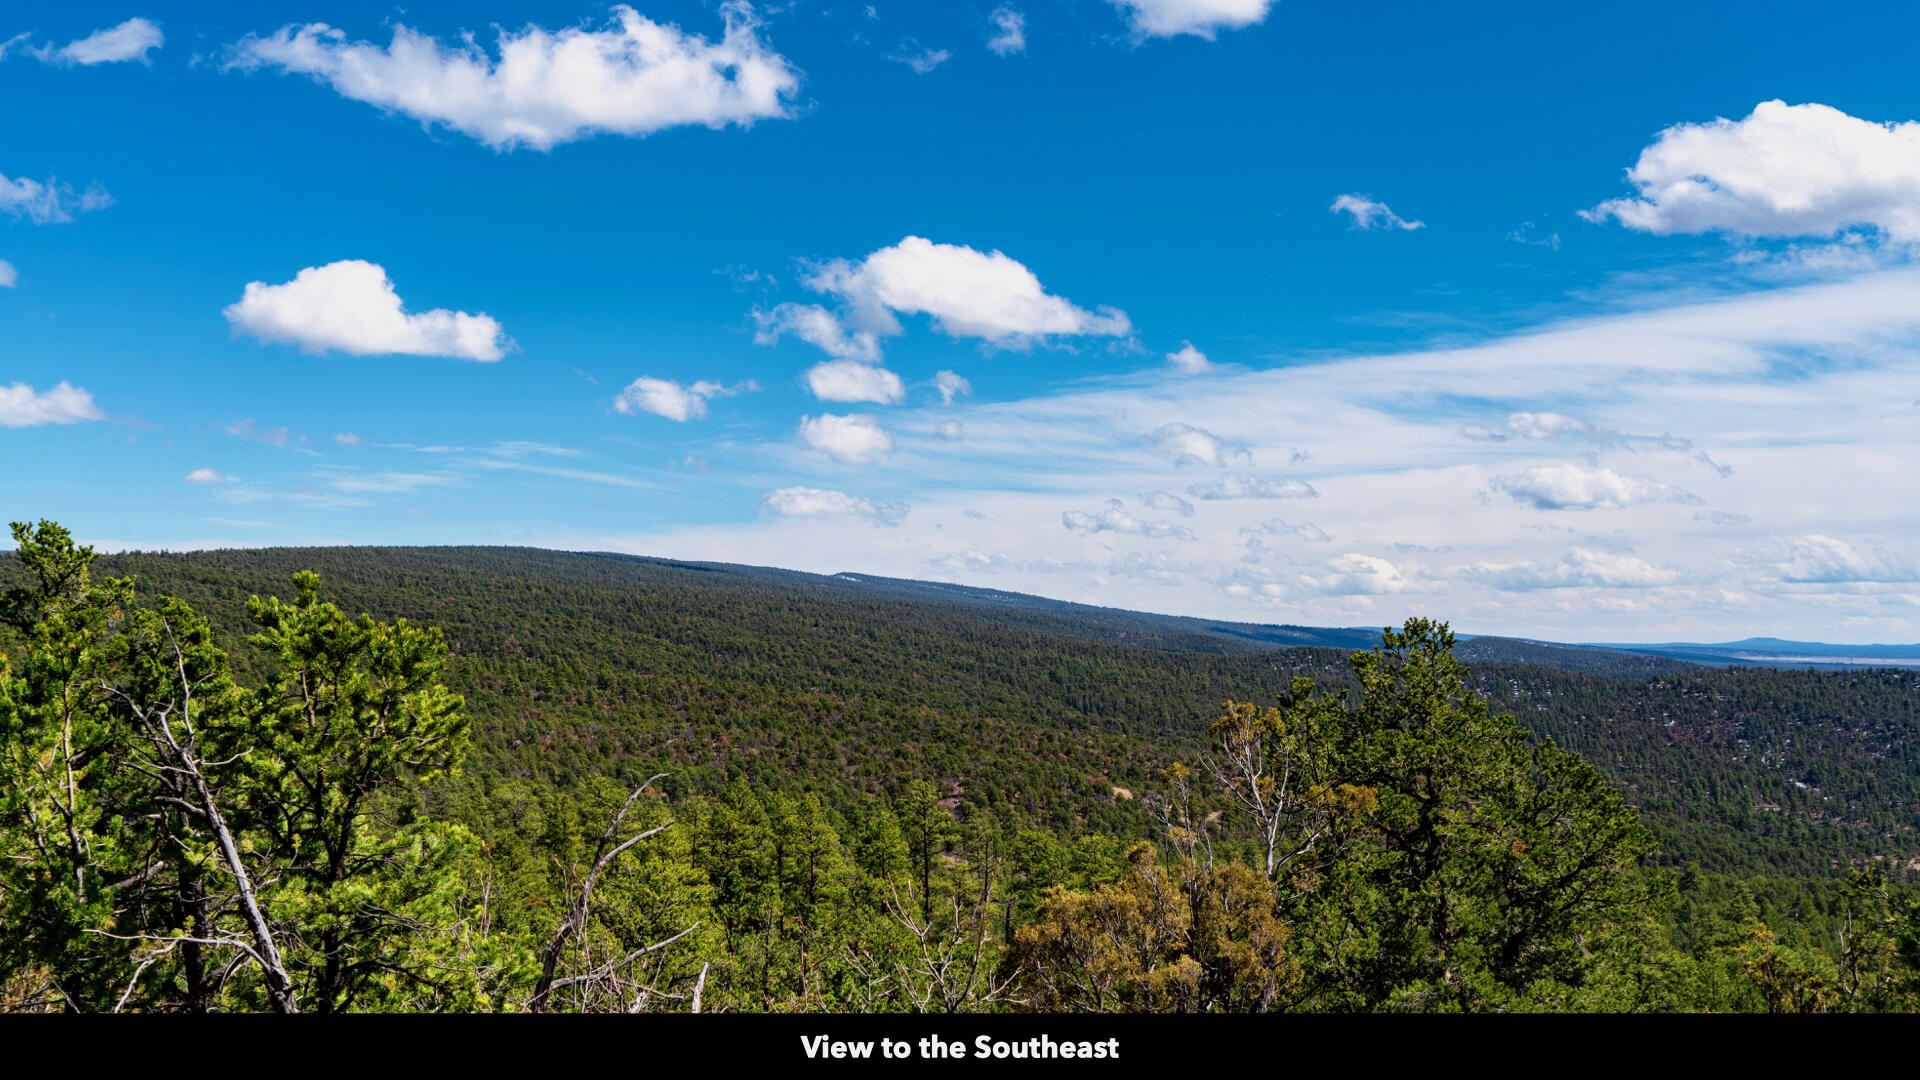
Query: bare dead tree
{"points": [[169, 730], [609, 978], [1192, 838], [1269, 766], [949, 969], [877, 981]]}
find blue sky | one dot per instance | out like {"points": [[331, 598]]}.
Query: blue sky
{"points": [[1245, 309]]}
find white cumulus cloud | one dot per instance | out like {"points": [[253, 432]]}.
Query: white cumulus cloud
{"points": [[1546, 425], [851, 380], [208, 476], [1533, 425], [851, 440], [967, 293], [1825, 560], [1260, 540], [1201, 18], [1579, 567], [1184, 444], [818, 327], [1189, 360], [1580, 487], [23, 406], [1167, 500], [975, 561], [808, 502], [1114, 518], [351, 306], [1252, 487], [1721, 517], [951, 385], [1154, 567], [1810, 385], [1281, 527], [1354, 574], [1784, 170], [665, 397], [634, 77]]}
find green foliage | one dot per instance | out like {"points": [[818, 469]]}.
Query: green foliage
{"points": [[1419, 852], [1488, 863], [353, 707], [72, 827], [155, 809], [1753, 771], [1174, 938], [878, 803], [577, 666]]}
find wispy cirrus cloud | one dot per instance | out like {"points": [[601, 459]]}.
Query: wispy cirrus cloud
{"points": [[386, 482], [1558, 517], [249, 428], [920, 58], [585, 476], [1367, 214], [48, 202], [131, 41]]}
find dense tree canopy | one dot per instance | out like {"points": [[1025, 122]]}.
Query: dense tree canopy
{"points": [[533, 782]]}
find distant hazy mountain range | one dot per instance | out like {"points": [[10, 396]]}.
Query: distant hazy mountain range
{"points": [[1608, 658], [1775, 652]]}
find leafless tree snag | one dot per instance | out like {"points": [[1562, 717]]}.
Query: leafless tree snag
{"points": [[607, 977], [168, 728]]}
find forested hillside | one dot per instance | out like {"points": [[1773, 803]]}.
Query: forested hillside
{"points": [[581, 665], [541, 781], [1746, 769], [575, 665]]}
